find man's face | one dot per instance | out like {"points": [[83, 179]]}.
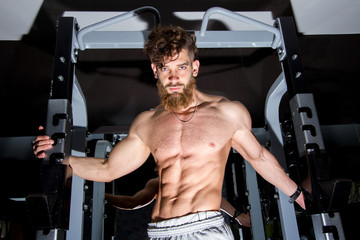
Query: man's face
{"points": [[176, 81]]}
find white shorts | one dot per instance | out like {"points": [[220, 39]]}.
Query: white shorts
{"points": [[208, 225]]}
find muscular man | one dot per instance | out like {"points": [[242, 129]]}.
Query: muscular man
{"points": [[146, 196], [189, 135]]}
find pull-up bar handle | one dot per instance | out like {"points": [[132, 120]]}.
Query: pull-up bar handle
{"points": [[116, 19], [240, 18]]}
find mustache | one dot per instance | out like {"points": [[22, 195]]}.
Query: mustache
{"points": [[174, 85]]}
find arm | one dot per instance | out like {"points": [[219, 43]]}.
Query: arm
{"points": [[261, 159], [124, 158], [140, 199], [243, 219]]}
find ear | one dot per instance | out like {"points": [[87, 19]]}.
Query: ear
{"points": [[195, 66], [154, 68]]}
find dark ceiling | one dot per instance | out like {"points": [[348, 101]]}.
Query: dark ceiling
{"points": [[118, 84]]}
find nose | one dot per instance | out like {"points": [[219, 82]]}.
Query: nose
{"points": [[173, 77]]}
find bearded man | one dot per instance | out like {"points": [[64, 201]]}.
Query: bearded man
{"points": [[190, 135]]}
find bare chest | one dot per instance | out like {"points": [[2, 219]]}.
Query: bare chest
{"points": [[206, 133]]}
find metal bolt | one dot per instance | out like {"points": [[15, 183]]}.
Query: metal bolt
{"points": [[85, 207], [60, 78], [280, 51], [62, 59], [276, 196], [86, 187], [298, 74], [294, 57]]}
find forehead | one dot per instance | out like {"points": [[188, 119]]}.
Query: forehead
{"points": [[181, 58]]}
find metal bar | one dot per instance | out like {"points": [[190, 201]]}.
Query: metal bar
{"points": [[304, 114], [328, 227], [286, 210], [102, 149], [78, 146], [257, 223], [62, 82], [240, 18], [290, 57], [212, 39], [114, 20], [307, 129]]}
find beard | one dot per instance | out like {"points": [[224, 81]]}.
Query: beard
{"points": [[176, 101]]}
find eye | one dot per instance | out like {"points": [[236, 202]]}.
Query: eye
{"points": [[163, 69], [182, 67]]}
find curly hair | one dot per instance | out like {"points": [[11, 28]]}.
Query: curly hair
{"points": [[167, 42]]}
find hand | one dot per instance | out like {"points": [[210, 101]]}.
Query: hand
{"points": [[301, 201], [41, 144], [244, 219]]}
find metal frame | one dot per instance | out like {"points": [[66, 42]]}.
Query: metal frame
{"points": [[286, 210], [281, 37]]}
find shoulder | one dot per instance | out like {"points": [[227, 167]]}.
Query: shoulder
{"points": [[234, 111], [141, 122], [237, 112]]}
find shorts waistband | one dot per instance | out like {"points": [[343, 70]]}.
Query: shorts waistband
{"points": [[190, 223]]}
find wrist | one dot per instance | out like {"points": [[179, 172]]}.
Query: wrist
{"points": [[295, 195]]}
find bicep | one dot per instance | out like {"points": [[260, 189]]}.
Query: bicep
{"points": [[128, 155], [243, 140], [245, 143]]}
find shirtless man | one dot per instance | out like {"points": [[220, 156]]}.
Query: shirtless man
{"points": [[147, 195], [189, 135]]}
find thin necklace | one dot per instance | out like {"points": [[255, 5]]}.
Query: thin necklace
{"points": [[192, 116]]}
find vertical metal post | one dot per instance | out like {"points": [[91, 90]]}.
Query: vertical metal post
{"points": [[307, 127], [49, 209], [257, 223], [286, 210]]}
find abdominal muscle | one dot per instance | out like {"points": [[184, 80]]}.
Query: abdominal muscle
{"points": [[188, 185]]}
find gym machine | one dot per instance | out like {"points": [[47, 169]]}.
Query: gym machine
{"points": [[327, 195], [67, 124]]}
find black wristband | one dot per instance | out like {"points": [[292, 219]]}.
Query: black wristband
{"points": [[295, 195], [237, 213]]}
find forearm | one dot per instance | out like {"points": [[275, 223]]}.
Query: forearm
{"points": [[90, 168], [227, 207], [242, 218], [269, 168], [121, 201]]}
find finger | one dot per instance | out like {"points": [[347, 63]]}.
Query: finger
{"points": [[40, 152], [41, 137], [42, 140], [41, 148], [41, 155], [45, 142], [43, 145], [41, 130]]}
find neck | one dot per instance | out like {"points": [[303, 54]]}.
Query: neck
{"points": [[193, 104]]}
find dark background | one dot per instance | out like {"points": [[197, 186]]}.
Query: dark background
{"points": [[118, 84]]}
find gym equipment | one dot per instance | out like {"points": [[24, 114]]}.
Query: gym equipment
{"points": [[67, 120]]}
